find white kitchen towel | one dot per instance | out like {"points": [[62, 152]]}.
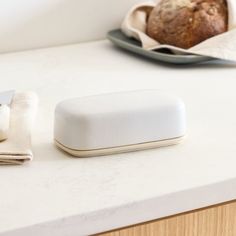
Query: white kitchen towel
{"points": [[222, 46], [17, 148]]}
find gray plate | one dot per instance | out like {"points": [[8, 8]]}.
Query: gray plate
{"points": [[119, 39]]}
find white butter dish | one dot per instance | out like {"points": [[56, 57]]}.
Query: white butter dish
{"points": [[119, 122]]}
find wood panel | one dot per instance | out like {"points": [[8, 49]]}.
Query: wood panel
{"points": [[218, 220]]}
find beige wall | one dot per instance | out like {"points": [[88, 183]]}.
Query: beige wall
{"points": [[27, 24]]}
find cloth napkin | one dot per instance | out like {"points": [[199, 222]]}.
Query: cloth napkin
{"points": [[222, 46], [16, 149]]}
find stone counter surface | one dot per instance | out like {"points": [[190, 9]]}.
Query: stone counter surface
{"points": [[59, 195]]}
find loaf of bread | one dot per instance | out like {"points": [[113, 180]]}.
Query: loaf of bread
{"points": [[185, 23]]}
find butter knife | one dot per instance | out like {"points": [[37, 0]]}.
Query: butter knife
{"points": [[5, 102]]}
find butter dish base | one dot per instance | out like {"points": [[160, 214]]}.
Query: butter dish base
{"points": [[120, 149]]}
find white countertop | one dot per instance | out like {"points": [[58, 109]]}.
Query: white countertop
{"points": [[59, 195]]}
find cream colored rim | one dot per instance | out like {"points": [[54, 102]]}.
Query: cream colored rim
{"points": [[120, 149]]}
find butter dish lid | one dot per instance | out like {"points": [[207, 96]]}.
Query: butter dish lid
{"points": [[119, 119]]}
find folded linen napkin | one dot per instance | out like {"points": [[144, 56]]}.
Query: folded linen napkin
{"points": [[17, 148], [222, 46]]}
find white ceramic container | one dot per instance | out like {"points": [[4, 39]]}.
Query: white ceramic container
{"points": [[119, 122]]}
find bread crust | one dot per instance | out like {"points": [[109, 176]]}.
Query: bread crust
{"points": [[185, 23]]}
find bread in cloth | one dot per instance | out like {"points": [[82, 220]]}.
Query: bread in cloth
{"points": [[185, 23]]}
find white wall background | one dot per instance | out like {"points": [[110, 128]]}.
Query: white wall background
{"points": [[29, 24]]}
